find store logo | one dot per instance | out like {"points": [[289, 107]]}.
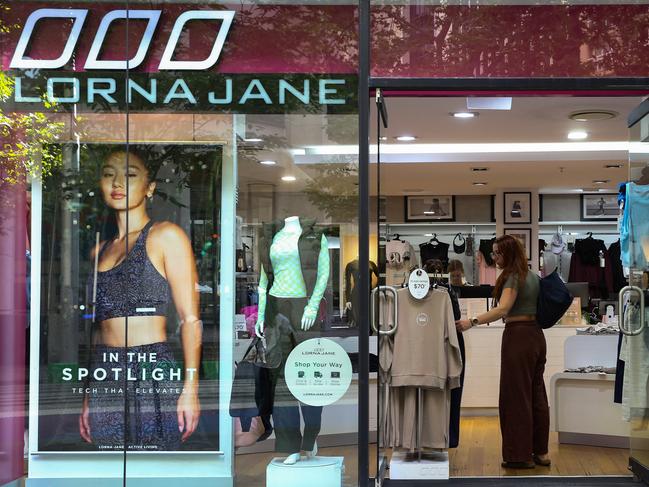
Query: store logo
{"points": [[422, 319], [21, 61]]}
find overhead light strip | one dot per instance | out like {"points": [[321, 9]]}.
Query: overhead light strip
{"points": [[483, 148]]}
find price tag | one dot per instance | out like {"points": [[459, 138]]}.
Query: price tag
{"points": [[418, 284]]}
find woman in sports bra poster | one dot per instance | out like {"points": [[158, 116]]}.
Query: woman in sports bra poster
{"points": [[145, 375]]}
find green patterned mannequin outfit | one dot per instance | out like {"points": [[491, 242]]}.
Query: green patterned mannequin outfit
{"points": [[288, 279]]}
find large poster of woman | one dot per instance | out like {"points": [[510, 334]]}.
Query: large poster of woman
{"points": [[129, 305]]}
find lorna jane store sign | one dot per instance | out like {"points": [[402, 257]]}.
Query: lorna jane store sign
{"points": [[178, 58]]}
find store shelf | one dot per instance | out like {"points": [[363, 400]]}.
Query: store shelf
{"points": [[577, 222]]}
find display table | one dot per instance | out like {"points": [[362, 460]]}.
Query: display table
{"points": [[581, 404]]}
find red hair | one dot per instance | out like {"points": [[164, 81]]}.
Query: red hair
{"points": [[514, 262]]}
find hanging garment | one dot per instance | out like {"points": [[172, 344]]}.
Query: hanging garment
{"points": [[352, 277], [585, 267], [634, 231], [619, 372], [434, 250], [426, 356], [456, 394], [486, 272], [635, 355], [615, 254], [459, 246], [400, 257], [559, 262], [486, 247]]}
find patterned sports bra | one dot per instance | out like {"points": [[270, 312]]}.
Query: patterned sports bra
{"points": [[134, 287]]}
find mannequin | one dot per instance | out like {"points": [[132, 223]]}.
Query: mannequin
{"points": [[294, 276], [352, 276]]}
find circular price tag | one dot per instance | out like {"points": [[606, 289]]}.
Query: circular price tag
{"points": [[318, 372], [418, 284]]}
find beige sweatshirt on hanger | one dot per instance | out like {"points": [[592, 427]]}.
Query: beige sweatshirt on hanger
{"points": [[426, 354]]}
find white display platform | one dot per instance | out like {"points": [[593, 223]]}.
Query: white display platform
{"points": [[434, 467], [311, 472], [582, 407]]}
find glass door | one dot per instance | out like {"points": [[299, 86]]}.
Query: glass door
{"points": [[383, 315], [634, 232]]}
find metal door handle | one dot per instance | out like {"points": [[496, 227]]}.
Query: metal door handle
{"points": [[622, 311], [395, 313]]}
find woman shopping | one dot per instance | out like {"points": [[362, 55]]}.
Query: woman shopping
{"points": [[523, 403], [147, 402]]}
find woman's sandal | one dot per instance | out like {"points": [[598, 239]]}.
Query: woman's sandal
{"points": [[517, 465], [543, 463]]}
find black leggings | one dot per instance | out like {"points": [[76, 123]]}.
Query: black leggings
{"points": [[286, 314]]}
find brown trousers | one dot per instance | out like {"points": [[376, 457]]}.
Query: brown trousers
{"points": [[523, 403]]}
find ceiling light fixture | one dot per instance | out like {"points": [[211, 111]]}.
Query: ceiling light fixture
{"points": [[601, 181], [592, 115], [288, 179], [406, 138], [613, 166], [479, 169], [253, 140], [577, 135], [268, 162], [480, 183], [464, 114], [383, 137]]}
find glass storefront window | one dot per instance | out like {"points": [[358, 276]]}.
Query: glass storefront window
{"points": [[152, 200]]}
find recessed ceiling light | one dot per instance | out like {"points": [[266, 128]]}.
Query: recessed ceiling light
{"points": [[464, 114], [253, 140], [268, 162], [577, 135], [479, 183], [613, 166], [406, 138], [479, 169], [601, 181], [592, 115], [288, 178], [383, 137]]}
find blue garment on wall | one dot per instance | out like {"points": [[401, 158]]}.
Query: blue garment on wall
{"points": [[635, 226]]}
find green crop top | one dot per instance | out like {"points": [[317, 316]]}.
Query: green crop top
{"points": [[289, 281], [527, 296]]}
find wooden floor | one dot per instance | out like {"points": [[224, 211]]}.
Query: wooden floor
{"points": [[478, 455]]}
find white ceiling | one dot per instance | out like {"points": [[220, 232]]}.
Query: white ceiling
{"points": [[532, 120]]}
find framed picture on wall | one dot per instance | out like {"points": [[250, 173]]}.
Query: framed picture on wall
{"points": [[517, 208], [599, 206], [525, 237], [430, 208]]}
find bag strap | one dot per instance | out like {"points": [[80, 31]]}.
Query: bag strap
{"points": [[252, 344]]}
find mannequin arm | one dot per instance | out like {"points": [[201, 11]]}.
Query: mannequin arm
{"points": [[261, 307], [311, 309]]}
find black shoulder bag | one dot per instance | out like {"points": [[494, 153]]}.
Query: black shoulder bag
{"points": [[553, 301]]}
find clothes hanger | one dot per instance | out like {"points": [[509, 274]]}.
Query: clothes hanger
{"points": [[589, 235], [434, 240]]}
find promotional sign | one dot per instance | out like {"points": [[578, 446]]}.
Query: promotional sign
{"points": [[318, 372], [104, 283], [418, 284]]}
